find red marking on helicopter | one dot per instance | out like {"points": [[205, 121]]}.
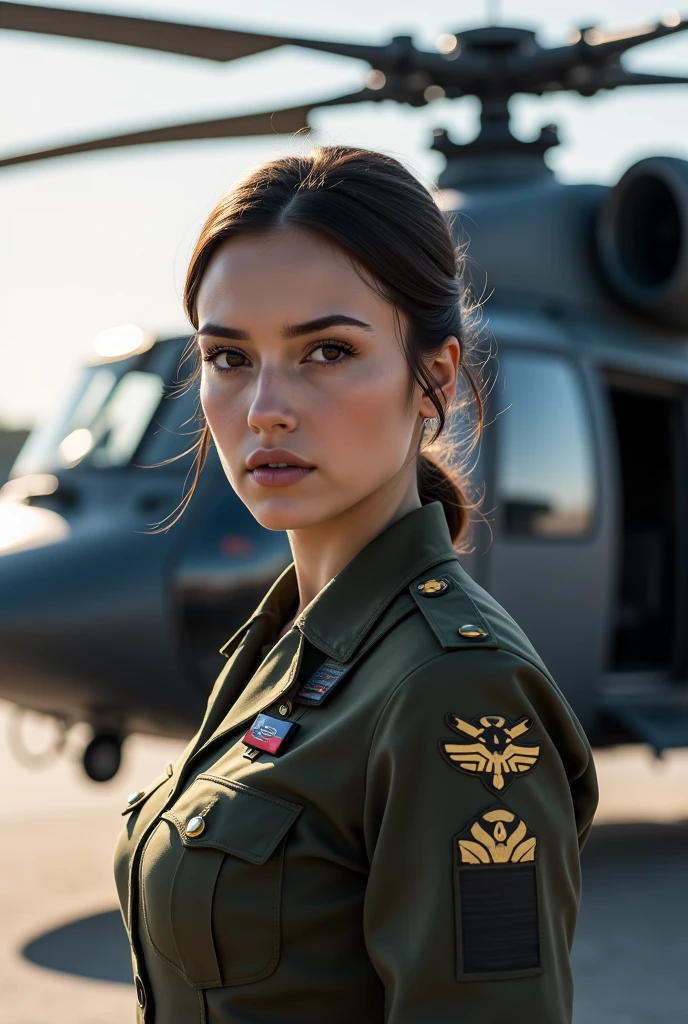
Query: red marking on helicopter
{"points": [[236, 545]]}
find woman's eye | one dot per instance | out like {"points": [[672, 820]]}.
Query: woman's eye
{"points": [[227, 359], [230, 359], [328, 354]]}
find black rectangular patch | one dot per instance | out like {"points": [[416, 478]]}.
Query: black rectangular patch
{"points": [[498, 906]]}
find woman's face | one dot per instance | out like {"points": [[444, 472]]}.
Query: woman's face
{"points": [[304, 384]]}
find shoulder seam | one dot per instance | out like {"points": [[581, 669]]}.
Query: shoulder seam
{"points": [[544, 672], [500, 647]]}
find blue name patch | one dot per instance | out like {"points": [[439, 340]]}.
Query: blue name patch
{"points": [[322, 682]]}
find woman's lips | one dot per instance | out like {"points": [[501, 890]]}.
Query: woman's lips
{"points": [[284, 476]]}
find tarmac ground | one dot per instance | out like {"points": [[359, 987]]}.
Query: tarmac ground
{"points": [[63, 953]]}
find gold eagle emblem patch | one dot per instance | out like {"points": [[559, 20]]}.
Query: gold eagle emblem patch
{"points": [[493, 756], [497, 837]]}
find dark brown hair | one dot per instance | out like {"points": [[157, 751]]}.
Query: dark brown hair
{"points": [[390, 226]]}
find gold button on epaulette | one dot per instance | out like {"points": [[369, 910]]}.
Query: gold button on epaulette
{"points": [[432, 586], [195, 826], [133, 797], [472, 632], [170, 771]]}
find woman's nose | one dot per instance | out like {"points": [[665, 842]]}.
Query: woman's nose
{"points": [[272, 405]]}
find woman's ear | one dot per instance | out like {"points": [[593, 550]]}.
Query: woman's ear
{"points": [[444, 367]]}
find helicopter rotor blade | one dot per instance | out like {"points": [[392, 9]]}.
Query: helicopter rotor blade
{"points": [[615, 42], [277, 122], [491, 63], [619, 77], [205, 41]]}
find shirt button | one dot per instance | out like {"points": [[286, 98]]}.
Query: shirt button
{"points": [[284, 709], [472, 632], [195, 826], [140, 992]]}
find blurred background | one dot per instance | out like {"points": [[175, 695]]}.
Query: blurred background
{"points": [[102, 656], [105, 239]]}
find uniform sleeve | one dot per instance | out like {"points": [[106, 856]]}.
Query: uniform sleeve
{"points": [[481, 790]]}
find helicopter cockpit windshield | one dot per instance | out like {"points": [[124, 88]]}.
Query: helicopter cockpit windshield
{"points": [[105, 419], [102, 424]]}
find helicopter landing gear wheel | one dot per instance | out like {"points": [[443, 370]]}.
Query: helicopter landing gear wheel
{"points": [[102, 757]]}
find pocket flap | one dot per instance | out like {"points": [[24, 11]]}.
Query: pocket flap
{"points": [[237, 819]]}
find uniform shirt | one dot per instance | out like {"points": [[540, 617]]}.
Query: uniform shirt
{"points": [[411, 856]]}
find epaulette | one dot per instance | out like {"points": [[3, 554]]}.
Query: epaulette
{"points": [[450, 613]]}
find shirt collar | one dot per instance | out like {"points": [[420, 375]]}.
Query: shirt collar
{"points": [[338, 619]]}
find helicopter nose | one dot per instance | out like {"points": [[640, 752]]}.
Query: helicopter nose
{"points": [[85, 630]]}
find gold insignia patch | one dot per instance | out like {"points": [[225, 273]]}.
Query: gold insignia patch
{"points": [[493, 756], [497, 837]]}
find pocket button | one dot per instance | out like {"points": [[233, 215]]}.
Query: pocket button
{"points": [[195, 826]]}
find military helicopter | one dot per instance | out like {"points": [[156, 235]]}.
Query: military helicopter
{"points": [[584, 465]]}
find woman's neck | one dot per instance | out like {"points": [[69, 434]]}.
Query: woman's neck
{"points": [[321, 551]]}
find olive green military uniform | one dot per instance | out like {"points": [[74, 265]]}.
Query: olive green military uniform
{"points": [[411, 856]]}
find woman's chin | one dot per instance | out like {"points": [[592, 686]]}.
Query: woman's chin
{"points": [[282, 513]]}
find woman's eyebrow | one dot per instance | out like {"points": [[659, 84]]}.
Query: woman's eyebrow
{"points": [[289, 330], [322, 323]]}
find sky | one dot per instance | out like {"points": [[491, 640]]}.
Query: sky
{"points": [[92, 241]]}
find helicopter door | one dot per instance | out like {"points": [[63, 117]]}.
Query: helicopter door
{"points": [[644, 687], [546, 563], [650, 442]]}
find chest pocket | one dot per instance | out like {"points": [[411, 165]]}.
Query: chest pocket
{"points": [[211, 902]]}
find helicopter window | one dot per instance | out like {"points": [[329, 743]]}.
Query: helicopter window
{"points": [[114, 413], [117, 431], [105, 424], [545, 474], [94, 396], [173, 430], [42, 449]]}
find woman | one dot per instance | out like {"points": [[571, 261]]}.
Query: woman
{"points": [[381, 814]]}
